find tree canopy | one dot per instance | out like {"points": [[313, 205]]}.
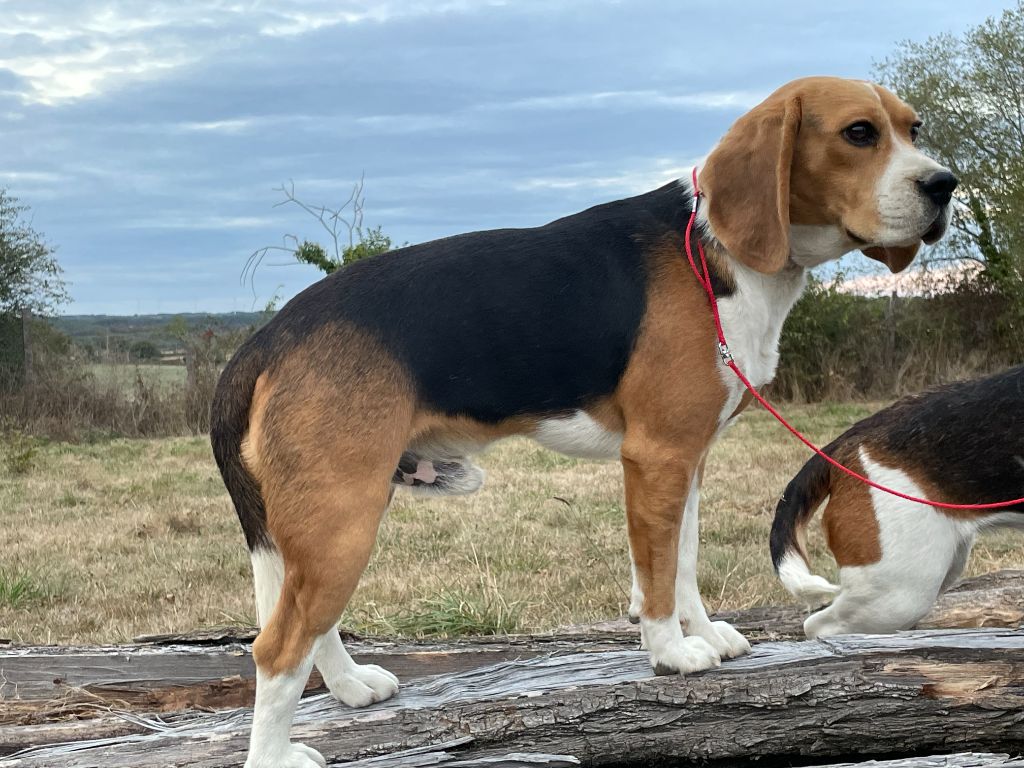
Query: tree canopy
{"points": [[30, 277], [969, 90], [370, 243]]}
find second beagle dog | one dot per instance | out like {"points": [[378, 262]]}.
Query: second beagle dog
{"points": [[589, 334], [958, 444]]}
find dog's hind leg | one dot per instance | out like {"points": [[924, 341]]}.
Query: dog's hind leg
{"points": [[322, 555], [325, 478], [350, 683], [357, 685]]}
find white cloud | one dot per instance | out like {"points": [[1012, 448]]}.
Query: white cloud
{"points": [[653, 174], [185, 221], [67, 50], [634, 99], [32, 177]]}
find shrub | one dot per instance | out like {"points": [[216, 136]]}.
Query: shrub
{"points": [[837, 346]]}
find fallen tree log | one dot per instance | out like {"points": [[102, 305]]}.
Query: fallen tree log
{"points": [[925, 691], [958, 760], [65, 693]]}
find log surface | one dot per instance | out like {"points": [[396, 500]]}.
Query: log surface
{"points": [[958, 760], [917, 692], [66, 694], [212, 669]]}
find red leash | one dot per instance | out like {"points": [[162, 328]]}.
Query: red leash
{"points": [[704, 277]]}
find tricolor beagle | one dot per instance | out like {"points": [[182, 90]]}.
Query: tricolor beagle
{"points": [[589, 334], [959, 444]]}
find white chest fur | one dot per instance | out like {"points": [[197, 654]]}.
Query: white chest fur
{"points": [[752, 319]]}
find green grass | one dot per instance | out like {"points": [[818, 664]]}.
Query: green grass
{"points": [[102, 542], [444, 615], [22, 589], [19, 452]]}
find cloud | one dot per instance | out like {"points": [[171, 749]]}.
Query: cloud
{"points": [[635, 99], [32, 177], [641, 177], [156, 131], [192, 222], [68, 49]]}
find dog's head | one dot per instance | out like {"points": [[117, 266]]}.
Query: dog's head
{"points": [[821, 167]]}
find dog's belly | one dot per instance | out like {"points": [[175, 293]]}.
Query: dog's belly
{"points": [[579, 435]]}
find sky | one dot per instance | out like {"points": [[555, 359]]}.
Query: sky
{"points": [[151, 138]]}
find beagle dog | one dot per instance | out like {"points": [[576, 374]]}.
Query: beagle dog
{"points": [[958, 444], [589, 334]]}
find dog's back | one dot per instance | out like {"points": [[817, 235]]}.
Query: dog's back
{"points": [[962, 444]]}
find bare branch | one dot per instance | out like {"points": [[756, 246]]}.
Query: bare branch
{"points": [[343, 225]]}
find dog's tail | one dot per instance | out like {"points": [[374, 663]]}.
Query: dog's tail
{"points": [[802, 497], [229, 422]]}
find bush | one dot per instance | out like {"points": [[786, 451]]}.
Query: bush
{"points": [[143, 350], [837, 346]]}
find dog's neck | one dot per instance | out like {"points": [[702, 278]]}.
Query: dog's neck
{"points": [[811, 244]]}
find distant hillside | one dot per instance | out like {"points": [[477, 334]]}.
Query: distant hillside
{"points": [[94, 330]]}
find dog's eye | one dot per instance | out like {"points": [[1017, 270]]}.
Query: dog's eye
{"points": [[861, 134], [915, 131]]}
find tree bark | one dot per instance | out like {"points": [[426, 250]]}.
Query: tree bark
{"points": [[918, 692]]}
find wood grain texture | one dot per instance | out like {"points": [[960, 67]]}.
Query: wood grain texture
{"points": [[916, 692]]}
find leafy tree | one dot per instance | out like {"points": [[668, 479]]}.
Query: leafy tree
{"points": [[969, 90], [30, 277], [143, 350], [373, 241]]}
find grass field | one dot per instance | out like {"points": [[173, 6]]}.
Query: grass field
{"points": [[101, 542]]}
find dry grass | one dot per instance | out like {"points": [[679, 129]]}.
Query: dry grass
{"points": [[107, 541]]}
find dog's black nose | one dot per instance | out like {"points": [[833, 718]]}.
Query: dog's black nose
{"points": [[939, 187]]}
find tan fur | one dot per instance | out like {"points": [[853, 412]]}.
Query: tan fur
{"points": [[671, 397], [851, 529], [460, 433], [329, 422], [323, 442], [746, 180], [251, 444], [608, 414], [785, 162], [895, 257], [745, 401]]}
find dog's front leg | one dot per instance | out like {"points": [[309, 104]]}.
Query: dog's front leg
{"points": [[694, 618], [720, 634], [658, 480]]}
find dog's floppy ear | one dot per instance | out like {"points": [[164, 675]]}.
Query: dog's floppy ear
{"points": [[746, 181], [896, 257]]}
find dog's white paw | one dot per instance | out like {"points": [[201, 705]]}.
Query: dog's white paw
{"points": [[363, 685], [296, 756], [684, 656], [724, 638], [636, 603]]}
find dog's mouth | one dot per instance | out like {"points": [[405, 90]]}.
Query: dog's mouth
{"points": [[855, 237], [931, 235], [935, 232]]}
